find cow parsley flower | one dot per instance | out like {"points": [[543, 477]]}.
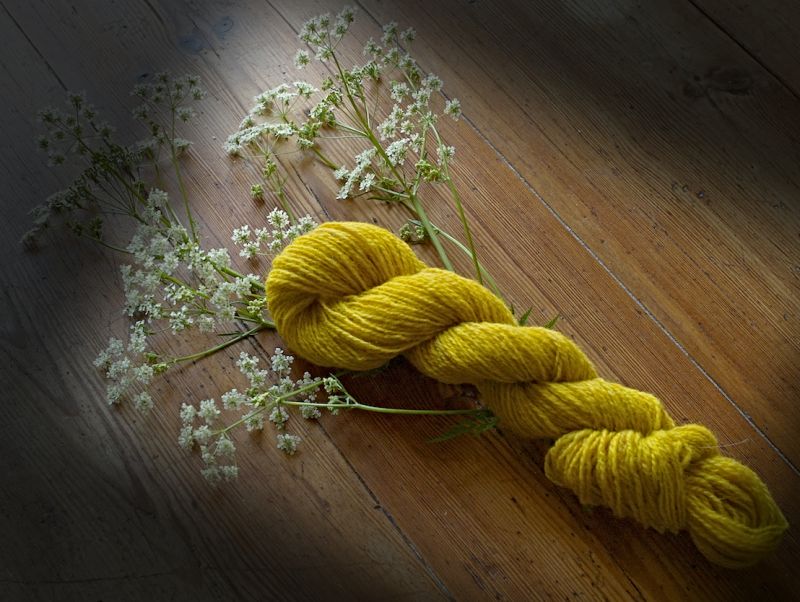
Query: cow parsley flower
{"points": [[278, 416], [301, 59], [396, 151], [453, 108], [233, 399], [143, 402], [310, 412], [288, 443], [209, 411], [281, 363]]}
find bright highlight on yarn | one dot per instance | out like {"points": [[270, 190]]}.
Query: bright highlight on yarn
{"points": [[353, 296]]}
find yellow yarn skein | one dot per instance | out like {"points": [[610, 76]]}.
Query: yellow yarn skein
{"points": [[352, 295]]}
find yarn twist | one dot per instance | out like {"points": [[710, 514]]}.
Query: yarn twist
{"points": [[353, 296]]}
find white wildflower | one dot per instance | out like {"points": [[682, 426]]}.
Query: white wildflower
{"points": [[367, 182], [187, 413], [144, 373], [409, 35], [446, 152], [305, 89], [249, 250], [241, 235], [232, 399], [186, 437], [432, 83], [279, 416], [205, 323], [389, 32], [301, 59], [278, 218], [254, 421], [143, 402], [396, 151], [180, 320], [224, 447], [399, 91], [288, 443], [453, 108], [114, 393], [281, 363], [202, 434], [229, 472], [209, 411], [372, 48], [107, 355], [137, 342], [310, 412]]}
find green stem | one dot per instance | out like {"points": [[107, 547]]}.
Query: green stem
{"points": [[235, 274], [460, 208], [285, 204], [105, 244], [487, 276], [432, 234], [418, 208], [221, 346], [182, 188], [325, 161], [382, 410]]}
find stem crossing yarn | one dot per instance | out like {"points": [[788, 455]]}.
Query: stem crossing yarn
{"points": [[352, 295]]}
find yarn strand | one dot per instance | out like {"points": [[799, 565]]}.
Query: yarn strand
{"points": [[352, 296]]}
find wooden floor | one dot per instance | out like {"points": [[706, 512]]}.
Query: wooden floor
{"points": [[634, 167]]}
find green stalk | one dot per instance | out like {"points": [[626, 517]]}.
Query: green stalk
{"points": [[460, 208], [368, 408], [418, 208], [489, 280], [221, 346], [235, 274]]}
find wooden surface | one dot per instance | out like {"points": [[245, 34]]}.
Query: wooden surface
{"points": [[634, 168]]}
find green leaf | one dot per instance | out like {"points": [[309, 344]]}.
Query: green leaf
{"points": [[524, 317], [474, 425], [552, 323]]}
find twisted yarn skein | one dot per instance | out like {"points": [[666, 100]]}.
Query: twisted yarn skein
{"points": [[353, 296]]}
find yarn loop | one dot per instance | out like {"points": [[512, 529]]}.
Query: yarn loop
{"points": [[353, 296]]}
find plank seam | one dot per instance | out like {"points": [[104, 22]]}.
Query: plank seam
{"points": [[635, 299], [619, 281], [35, 49], [378, 506], [745, 49]]}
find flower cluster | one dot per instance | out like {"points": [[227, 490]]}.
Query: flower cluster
{"points": [[129, 368], [107, 182], [175, 278], [281, 233], [347, 107], [269, 397], [171, 96]]}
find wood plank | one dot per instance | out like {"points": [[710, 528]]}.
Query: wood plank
{"points": [[610, 331], [98, 503], [482, 514], [684, 188], [766, 30]]}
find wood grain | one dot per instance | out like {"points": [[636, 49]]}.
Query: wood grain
{"points": [[98, 502], [653, 138], [102, 503], [766, 30]]}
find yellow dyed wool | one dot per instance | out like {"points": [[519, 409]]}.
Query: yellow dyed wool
{"points": [[353, 296]]}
